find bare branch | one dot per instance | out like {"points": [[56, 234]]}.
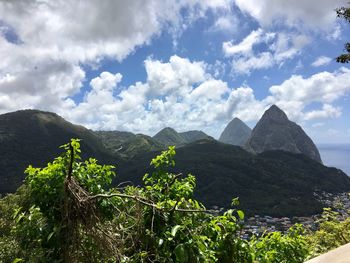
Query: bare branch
{"points": [[148, 203], [70, 165]]}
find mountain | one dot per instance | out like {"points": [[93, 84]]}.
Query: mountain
{"points": [[235, 133], [127, 144], [275, 131], [272, 182], [192, 136], [140, 143], [113, 140], [169, 136], [276, 183], [33, 137]]}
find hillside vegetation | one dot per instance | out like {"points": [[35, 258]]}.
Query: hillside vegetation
{"points": [[271, 183], [33, 137], [68, 212], [64, 213]]}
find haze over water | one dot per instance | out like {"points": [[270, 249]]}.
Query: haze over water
{"points": [[336, 155]]}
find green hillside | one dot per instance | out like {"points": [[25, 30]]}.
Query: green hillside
{"points": [[33, 137], [127, 144], [272, 183]]}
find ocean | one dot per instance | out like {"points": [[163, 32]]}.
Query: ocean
{"points": [[336, 155]]}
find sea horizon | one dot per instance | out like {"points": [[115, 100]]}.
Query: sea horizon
{"points": [[336, 155]]}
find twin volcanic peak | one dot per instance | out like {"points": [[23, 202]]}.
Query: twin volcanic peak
{"points": [[222, 170], [235, 133], [275, 131]]}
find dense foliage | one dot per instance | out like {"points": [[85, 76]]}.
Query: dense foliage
{"points": [[66, 212], [333, 232]]}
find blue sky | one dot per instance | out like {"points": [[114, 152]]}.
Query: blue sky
{"points": [[143, 65]]}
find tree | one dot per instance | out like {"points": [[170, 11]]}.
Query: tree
{"points": [[68, 212], [344, 12]]}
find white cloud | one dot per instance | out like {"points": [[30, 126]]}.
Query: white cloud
{"points": [[288, 45], [295, 93], [242, 103], [336, 34], [166, 77], [275, 49], [55, 38], [244, 65], [327, 111], [182, 94], [227, 23], [313, 14], [245, 46], [43, 69], [321, 61], [218, 69], [175, 91], [325, 87], [179, 93], [106, 81]]}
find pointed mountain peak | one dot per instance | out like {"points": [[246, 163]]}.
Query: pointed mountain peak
{"points": [[274, 107], [166, 130], [237, 120], [235, 133], [275, 113], [195, 135], [274, 131], [168, 136]]}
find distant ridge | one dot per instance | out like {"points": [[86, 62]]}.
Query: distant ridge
{"points": [[128, 144], [235, 133], [275, 131], [195, 135], [168, 136]]}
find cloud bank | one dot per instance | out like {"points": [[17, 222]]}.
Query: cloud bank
{"points": [[182, 94], [46, 46]]}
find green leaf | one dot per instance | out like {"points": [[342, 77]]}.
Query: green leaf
{"points": [[16, 212], [235, 201], [174, 230], [240, 214], [180, 253], [50, 235], [17, 260], [201, 246]]}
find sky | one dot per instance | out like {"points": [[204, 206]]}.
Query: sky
{"points": [[142, 65]]}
